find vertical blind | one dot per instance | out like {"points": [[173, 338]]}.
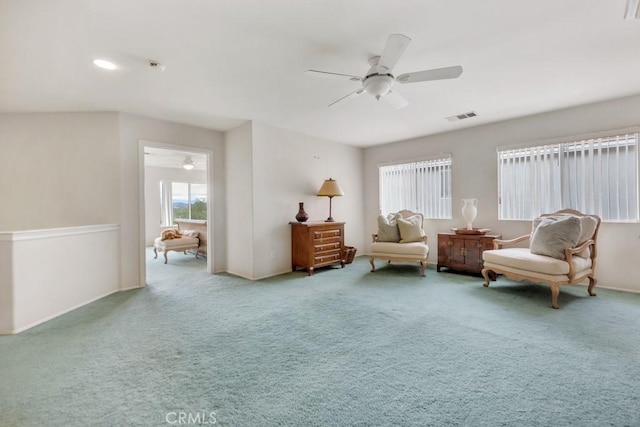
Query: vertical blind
{"points": [[596, 175], [423, 186]]}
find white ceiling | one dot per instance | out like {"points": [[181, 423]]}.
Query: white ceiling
{"points": [[228, 61]]}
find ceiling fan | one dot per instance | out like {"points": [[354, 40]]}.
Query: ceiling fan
{"points": [[379, 81]]}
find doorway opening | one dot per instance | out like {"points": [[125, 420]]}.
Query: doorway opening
{"points": [[176, 194]]}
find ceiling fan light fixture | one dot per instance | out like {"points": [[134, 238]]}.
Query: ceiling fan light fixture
{"points": [[188, 163], [378, 85]]}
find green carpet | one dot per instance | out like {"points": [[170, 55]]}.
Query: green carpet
{"points": [[344, 347]]}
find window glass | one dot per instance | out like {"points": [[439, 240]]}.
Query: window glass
{"points": [[180, 200], [183, 200], [198, 201]]}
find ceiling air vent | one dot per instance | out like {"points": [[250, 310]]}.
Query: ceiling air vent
{"points": [[462, 116]]}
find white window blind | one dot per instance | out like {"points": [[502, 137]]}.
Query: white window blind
{"points": [[594, 175], [423, 186]]}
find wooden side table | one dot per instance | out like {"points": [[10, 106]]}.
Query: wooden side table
{"points": [[316, 244], [463, 252]]}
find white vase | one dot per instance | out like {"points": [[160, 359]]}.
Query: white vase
{"points": [[469, 211]]}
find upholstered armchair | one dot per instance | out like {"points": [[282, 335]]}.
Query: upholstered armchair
{"points": [[562, 251], [174, 240], [400, 238]]}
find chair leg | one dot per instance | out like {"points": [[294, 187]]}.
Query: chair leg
{"points": [[555, 291], [592, 284], [485, 274], [165, 256], [373, 266], [423, 265], [155, 251]]}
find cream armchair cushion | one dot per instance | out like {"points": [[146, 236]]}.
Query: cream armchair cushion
{"points": [[412, 246], [579, 250]]}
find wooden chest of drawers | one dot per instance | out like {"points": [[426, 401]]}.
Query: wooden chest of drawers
{"points": [[316, 244], [463, 252]]}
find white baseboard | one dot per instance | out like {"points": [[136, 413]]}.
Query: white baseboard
{"points": [[46, 319], [130, 288]]}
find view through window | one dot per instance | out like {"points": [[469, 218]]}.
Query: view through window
{"points": [[183, 200]]}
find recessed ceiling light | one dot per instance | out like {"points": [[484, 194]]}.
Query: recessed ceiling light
{"points": [[104, 64]]}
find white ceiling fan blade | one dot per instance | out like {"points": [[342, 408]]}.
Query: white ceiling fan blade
{"points": [[396, 45], [632, 11], [347, 97], [395, 99], [329, 75], [435, 74]]}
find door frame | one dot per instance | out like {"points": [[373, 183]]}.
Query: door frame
{"points": [[142, 209]]}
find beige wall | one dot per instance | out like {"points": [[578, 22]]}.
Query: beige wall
{"points": [[288, 168], [48, 173], [239, 203], [475, 176], [270, 171]]}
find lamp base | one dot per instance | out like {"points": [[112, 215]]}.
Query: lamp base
{"points": [[330, 219]]}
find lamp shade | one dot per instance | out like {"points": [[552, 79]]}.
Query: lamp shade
{"points": [[330, 188]]}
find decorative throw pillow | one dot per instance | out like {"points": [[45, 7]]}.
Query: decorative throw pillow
{"points": [[587, 223], [191, 233], [388, 228], [411, 229], [555, 233]]}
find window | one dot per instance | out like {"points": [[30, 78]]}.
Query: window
{"points": [[183, 200], [423, 186], [594, 175]]}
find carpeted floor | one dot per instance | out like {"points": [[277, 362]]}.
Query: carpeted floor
{"points": [[344, 347]]}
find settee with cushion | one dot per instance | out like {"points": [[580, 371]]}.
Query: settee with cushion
{"points": [[562, 251], [400, 238], [186, 240]]}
